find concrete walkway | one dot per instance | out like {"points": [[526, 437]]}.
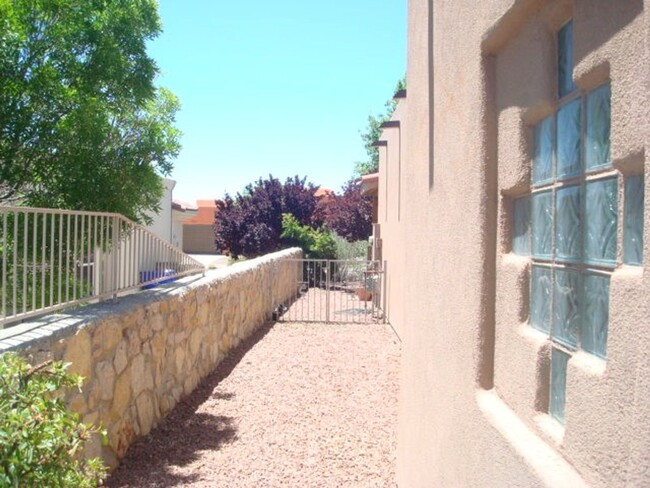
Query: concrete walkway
{"points": [[297, 405], [211, 261]]}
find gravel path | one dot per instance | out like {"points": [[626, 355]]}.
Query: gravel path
{"points": [[297, 405]]}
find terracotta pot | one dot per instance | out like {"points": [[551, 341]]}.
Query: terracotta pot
{"points": [[364, 295]]}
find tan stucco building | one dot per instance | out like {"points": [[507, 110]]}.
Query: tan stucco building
{"points": [[516, 239], [198, 232]]}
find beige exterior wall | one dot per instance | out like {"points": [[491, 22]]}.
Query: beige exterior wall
{"points": [[390, 215], [198, 239], [474, 388], [162, 221]]}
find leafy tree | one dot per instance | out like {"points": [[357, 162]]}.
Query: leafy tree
{"points": [[350, 214], [40, 439], [250, 223], [315, 243], [81, 123], [372, 133]]}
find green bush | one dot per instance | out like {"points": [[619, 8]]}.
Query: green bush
{"points": [[315, 243], [350, 250], [40, 439]]}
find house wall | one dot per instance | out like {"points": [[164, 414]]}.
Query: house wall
{"points": [[142, 353], [198, 239], [177, 231], [198, 232], [389, 215], [162, 221], [474, 373]]}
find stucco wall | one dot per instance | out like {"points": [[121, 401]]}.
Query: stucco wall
{"points": [[162, 221], [198, 239], [470, 411], [390, 214], [141, 354]]}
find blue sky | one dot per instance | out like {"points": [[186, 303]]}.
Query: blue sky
{"points": [[276, 86]]}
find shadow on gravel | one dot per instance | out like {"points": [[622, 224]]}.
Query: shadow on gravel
{"points": [[179, 438]]}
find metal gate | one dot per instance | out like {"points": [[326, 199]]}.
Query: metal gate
{"points": [[326, 290]]}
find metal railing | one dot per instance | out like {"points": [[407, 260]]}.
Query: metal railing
{"points": [[335, 291], [52, 259]]}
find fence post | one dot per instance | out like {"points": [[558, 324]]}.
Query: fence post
{"points": [[115, 257], [383, 291], [327, 290]]}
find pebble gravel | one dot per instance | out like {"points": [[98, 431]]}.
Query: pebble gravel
{"points": [[296, 405]]}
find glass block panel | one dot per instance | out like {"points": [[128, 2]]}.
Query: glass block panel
{"points": [[601, 216], [568, 228], [565, 60], [540, 298], [542, 224], [568, 139], [543, 151], [593, 333], [598, 124], [557, 398], [521, 226], [633, 231], [566, 307]]}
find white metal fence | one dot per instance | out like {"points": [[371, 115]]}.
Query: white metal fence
{"points": [[51, 259], [340, 291]]}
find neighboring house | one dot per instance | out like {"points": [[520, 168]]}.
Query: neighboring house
{"points": [[516, 239], [161, 224], [370, 188], [182, 212], [198, 232], [168, 223]]}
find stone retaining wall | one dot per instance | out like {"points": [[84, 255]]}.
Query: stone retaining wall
{"points": [[142, 353]]}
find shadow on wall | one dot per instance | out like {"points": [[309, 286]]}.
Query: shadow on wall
{"points": [[184, 432]]}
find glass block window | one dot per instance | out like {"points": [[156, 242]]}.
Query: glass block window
{"points": [[565, 60], [601, 213], [540, 298], [569, 125], [567, 307], [597, 136], [633, 227], [542, 224], [568, 225], [543, 157], [557, 400], [521, 226], [593, 333]]}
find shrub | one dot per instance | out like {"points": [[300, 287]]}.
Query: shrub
{"points": [[350, 250], [40, 439], [315, 243]]}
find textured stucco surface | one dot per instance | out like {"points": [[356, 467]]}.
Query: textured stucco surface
{"points": [[390, 213], [479, 74], [199, 239]]}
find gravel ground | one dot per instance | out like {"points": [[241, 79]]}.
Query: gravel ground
{"points": [[297, 405]]}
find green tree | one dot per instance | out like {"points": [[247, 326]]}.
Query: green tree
{"points": [[372, 133], [82, 124]]}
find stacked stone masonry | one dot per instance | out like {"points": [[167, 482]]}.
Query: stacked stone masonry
{"points": [[141, 354]]}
